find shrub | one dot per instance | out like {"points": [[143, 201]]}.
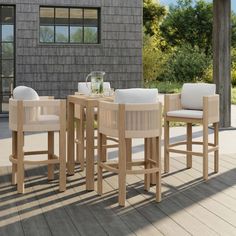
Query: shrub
{"points": [[233, 66], [186, 64], [208, 73], [233, 74]]}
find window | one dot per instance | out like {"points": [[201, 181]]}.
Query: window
{"points": [[7, 54], [69, 25]]}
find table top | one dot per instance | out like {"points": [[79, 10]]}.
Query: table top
{"points": [[87, 100]]}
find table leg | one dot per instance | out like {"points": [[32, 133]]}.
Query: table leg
{"points": [[90, 148], [70, 140]]}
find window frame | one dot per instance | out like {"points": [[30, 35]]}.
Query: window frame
{"points": [[13, 77], [69, 25]]}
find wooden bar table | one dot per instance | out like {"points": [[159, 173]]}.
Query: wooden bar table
{"points": [[89, 103]]}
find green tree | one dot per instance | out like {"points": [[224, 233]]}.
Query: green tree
{"points": [[233, 22], [189, 23], [153, 15], [154, 59]]}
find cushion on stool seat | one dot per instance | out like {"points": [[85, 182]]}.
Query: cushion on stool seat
{"points": [[136, 95], [193, 114], [192, 95], [25, 93]]}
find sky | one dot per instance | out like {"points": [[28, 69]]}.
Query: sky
{"points": [[233, 3]]}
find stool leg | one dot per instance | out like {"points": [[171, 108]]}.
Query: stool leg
{"points": [[99, 168], [154, 150], [205, 151], [50, 154], [128, 153], [80, 137], [122, 172], [147, 148], [104, 150], [158, 174], [14, 154], [62, 149], [20, 162], [216, 143], [77, 138], [166, 144], [189, 144]]}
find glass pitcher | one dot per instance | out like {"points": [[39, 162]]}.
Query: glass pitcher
{"points": [[96, 82]]}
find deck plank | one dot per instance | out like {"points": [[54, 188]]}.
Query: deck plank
{"points": [[32, 218], [171, 206], [77, 209], [189, 205], [197, 201], [10, 221], [149, 209], [209, 199], [52, 207], [102, 208], [134, 219]]}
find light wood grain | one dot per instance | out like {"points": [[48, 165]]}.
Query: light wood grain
{"points": [[25, 116], [50, 154], [210, 115], [130, 121]]}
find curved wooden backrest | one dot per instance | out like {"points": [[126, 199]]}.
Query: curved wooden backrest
{"points": [[41, 115], [139, 120]]}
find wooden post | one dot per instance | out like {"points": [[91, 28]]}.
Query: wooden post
{"points": [[222, 58]]}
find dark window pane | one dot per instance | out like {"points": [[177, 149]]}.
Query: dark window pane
{"points": [[47, 15], [7, 14], [7, 33], [61, 34], [76, 34], [7, 85], [5, 106], [76, 17], [46, 34], [7, 51], [7, 68], [62, 16], [90, 35], [90, 17]]}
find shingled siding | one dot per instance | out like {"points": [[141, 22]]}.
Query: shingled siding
{"points": [[56, 69]]}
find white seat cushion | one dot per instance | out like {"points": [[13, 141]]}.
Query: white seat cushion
{"points": [[48, 118], [192, 94], [25, 93], [136, 95], [85, 88], [194, 114]]}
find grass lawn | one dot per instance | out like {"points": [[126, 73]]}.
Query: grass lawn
{"points": [[233, 95], [174, 87]]}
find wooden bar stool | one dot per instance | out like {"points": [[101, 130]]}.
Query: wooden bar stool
{"points": [[30, 113], [136, 113], [197, 103]]}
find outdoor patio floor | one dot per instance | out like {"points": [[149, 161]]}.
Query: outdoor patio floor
{"points": [[189, 206]]}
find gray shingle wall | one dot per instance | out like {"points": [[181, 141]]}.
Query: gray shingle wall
{"points": [[56, 69]]}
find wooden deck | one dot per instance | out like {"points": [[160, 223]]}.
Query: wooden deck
{"points": [[189, 206]]}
